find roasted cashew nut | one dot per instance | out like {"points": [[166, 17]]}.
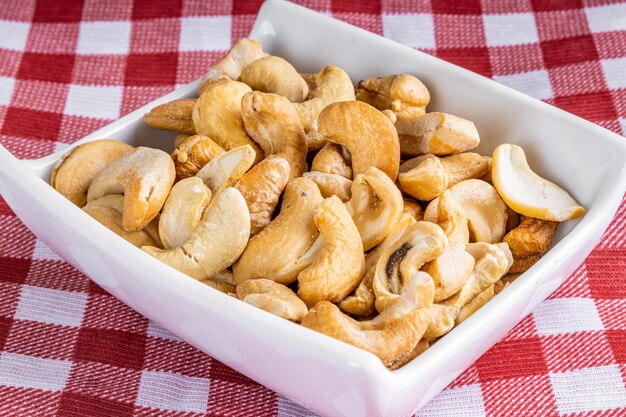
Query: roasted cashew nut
{"points": [[339, 265], [272, 122], [277, 250], [365, 132], [225, 169], [450, 270], [262, 187], [182, 211], [273, 74], [216, 242], [175, 115], [193, 153], [73, 173], [375, 204], [272, 297], [331, 184], [145, 177], [529, 242], [217, 114], [421, 242], [330, 160]]}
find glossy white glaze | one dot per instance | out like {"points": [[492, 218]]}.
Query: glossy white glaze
{"points": [[328, 376]]}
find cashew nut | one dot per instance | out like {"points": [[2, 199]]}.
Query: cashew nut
{"points": [[375, 205], [75, 171], [216, 242], [272, 297], [273, 74], [243, 52], [193, 153], [332, 85], [393, 336], [529, 242], [331, 184], [145, 177], [182, 211], [175, 115], [275, 252], [365, 132], [272, 122], [450, 270], [420, 243], [226, 168], [217, 114], [441, 321], [331, 161], [108, 211], [438, 134], [340, 264], [413, 209], [262, 187]]}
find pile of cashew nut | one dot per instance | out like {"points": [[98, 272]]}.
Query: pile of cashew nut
{"points": [[350, 210]]}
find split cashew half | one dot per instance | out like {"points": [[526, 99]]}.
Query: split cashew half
{"points": [[273, 74], [145, 177], [272, 297], [225, 169]]}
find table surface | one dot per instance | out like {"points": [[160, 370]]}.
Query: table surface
{"points": [[69, 67]]}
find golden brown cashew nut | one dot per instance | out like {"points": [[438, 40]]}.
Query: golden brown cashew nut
{"points": [[272, 122], [243, 52], [175, 115], [333, 85], [273, 74], [438, 134], [193, 153], [272, 297], [421, 242], [275, 252], [365, 132], [217, 114], [182, 211], [108, 211], [392, 336], [403, 94], [529, 242], [75, 171], [226, 168], [216, 242], [331, 161], [145, 177], [375, 205], [476, 205], [331, 184], [262, 187], [339, 265]]}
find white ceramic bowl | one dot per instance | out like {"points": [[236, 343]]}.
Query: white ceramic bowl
{"points": [[328, 376]]}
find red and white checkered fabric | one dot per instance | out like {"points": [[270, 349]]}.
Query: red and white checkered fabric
{"points": [[68, 67]]}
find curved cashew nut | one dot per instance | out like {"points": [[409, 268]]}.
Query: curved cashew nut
{"points": [[75, 171], [217, 114], [272, 297], [275, 252], [331, 161], [226, 168], [216, 242], [340, 264], [174, 115], [421, 242], [271, 121], [393, 336], [273, 74], [365, 132], [450, 270], [243, 52], [333, 85], [438, 134], [331, 184], [145, 177], [182, 211], [529, 242], [476, 205], [108, 210], [375, 205], [193, 153], [262, 187]]}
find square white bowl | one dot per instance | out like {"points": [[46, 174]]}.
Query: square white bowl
{"points": [[326, 375]]}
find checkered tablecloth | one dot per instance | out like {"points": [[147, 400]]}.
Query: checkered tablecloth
{"points": [[68, 67]]}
